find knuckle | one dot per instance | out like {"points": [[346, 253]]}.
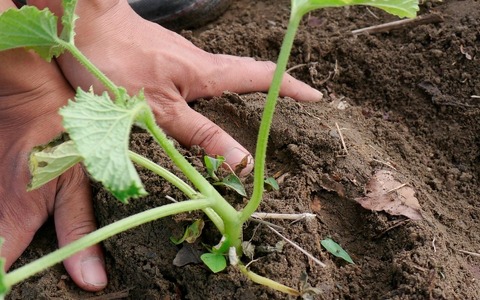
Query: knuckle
{"points": [[74, 178], [269, 66], [80, 228], [206, 136]]}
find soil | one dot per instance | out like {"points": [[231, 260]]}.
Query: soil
{"points": [[406, 101]]}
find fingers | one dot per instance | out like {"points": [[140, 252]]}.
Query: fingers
{"points": [[16, 233], [74, 218], [243, 75], [191, 128]]}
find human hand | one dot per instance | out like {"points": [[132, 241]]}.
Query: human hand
{"points": [[31, 92], [136, 54]]}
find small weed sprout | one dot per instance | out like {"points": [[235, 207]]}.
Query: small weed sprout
{"points": [[101, 141]]}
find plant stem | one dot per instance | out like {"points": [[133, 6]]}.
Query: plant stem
{"points": [[267, 117], [222, 210], [179, 183], [101, 234], [233, 226], [268, 282], [164, 173], [82, 59]]}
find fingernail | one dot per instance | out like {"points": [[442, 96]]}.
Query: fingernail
{"points": [[93, 272], [320, 95], [239, 160]]}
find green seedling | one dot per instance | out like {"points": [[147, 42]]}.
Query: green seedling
{"points": [[191, 234], [336, 250], [216, 262], [99, 130], [231, 181], [271, 184]]}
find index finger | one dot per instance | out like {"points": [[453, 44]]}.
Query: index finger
{"points": [[244, 75]]}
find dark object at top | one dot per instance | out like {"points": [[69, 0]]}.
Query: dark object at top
{"points": [[176, 14], [180, 14]]}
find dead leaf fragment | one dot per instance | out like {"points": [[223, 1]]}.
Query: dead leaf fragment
{"points": [[188, 254], [385, 193], [330, 185]]}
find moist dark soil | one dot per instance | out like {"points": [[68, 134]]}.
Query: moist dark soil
{"points": [[405, 101]]}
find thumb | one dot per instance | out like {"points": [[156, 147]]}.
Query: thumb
{"points": [[74, 218], [191, 128]]}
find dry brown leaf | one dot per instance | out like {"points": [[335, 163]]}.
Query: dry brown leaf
{"points": [[384, 192], [330, 185]]}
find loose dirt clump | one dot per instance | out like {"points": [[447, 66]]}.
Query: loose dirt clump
{"points": [[405, 101]]}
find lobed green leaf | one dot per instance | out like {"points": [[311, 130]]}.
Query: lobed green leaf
{"points": [[50, 161], [31, 28], [400, 8], [100, 130], [68, 20]]}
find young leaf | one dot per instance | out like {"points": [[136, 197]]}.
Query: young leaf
{"points": [[50, 161], [100, 130], [191, 233], [336, 250], [400, 8], [31, 28], [232, 181], [271, 183], [212, 164], [215, 262], [68, 20]]}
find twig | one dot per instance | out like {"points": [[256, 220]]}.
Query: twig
{"points": [[260, 215], [295, 67], [433, 244], [475, 96], [432, 276], [396, 188], [341, 139], [397, 224], [312, 115], [252, 261], [469, 253], [371, 12], [384, 163], [171, 199], [267, 223], [298, 248], [425, 19], [112, 296]]}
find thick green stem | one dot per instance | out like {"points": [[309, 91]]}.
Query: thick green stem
{"points": [[101, 234], [264, 131], [164, 173], [179, 183], [230, 217], [82, 59]]}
